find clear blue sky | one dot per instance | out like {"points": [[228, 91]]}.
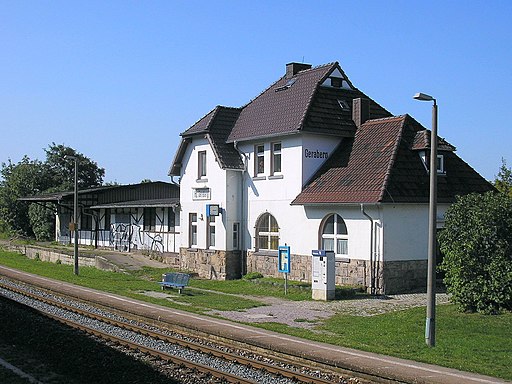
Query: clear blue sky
{"points": [[119, 80]]}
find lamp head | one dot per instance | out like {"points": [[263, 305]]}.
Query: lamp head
{"points": [[423, 97]]}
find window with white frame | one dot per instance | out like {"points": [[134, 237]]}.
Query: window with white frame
{"points": [[276, 158], [210, 231], [201, 164], [267, 233], [334, 235], [192, 230], [259, 160]]}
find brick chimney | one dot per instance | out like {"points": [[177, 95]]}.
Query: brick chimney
{"points": [[360, 111], [293, 68]]}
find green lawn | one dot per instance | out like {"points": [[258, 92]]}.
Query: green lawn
{"points": [[470, 342]]}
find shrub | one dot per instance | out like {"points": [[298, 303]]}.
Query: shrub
{"points": [[477, 247], [253, 276]]}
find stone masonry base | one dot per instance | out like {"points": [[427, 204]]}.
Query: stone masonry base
{"points": [[211, 264], [390, 278]]}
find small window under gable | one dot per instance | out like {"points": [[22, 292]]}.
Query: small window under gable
{"points": [[336, 82]]}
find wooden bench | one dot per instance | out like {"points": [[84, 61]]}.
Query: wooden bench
{"points": [[175, 280]]}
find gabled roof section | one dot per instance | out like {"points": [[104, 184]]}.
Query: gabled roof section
{"points": [[215, 126], [305, 102], [282, 107], [379, 165]]}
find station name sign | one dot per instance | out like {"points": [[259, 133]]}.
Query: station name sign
{"points": [[201, 194], [316, 154]]}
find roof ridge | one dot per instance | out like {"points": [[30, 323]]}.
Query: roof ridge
{"points": [[226, 107], [381, 119], [198, 120]]}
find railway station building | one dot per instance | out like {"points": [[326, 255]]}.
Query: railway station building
{"points": [[313, 163]]}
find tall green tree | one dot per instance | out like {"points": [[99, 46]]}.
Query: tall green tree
{"points": [[61, 168], [503, 181], [28, 177], [33, 177]]}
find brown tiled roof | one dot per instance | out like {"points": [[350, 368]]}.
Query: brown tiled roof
{"points": [[279, 109], [216, 126], [379, 165], [225, 153], [300, 103], [327, 116]]}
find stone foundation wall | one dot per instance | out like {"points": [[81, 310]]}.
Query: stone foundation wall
{"points": [[350, 272], [390, 277], [405, 276], [33, 252], [211, 264]]}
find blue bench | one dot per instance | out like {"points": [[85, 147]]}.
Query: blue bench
{"points": [[175, 280]]}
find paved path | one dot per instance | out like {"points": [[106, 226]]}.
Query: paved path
{"points": [[304, 314]]}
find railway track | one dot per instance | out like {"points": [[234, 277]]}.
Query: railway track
{"points": [[222, 364]]}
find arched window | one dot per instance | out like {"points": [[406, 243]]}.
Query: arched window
{"points": [[334, 235], [267, 232]]}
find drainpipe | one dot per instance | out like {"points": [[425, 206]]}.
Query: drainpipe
{"points": [[243, 251], [372, 261]]}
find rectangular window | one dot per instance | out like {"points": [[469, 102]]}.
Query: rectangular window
{"points": [[192, 230], [236, 235], [259, 160], [210, 231], [440, 164], [149, 219], [276, 158], [201, 164], [171, 220]]}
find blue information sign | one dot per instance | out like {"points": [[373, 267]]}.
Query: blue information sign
{"points": [[283, 258]]}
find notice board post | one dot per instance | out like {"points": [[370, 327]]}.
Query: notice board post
{"points": [[283, 263]]}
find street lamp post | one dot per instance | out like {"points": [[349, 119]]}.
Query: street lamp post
{"points": [[430, 326], [75, 214]]}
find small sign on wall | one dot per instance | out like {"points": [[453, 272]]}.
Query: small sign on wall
{"points": [[201, 194], [212, 210]]}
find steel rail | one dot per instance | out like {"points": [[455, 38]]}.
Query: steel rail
{"points": [[272, 369], [150, 351]]}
